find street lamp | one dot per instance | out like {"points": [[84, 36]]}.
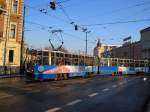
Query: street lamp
{"points": [[86, 42], [86, 32], [22, 65]]}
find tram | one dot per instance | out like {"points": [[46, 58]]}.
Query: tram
{"points": [[59, 65]]}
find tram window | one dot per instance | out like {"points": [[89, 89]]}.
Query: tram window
{"points": [[121, 60], [40, 53], [69, 55], [57, 54], [45, 53], [60, 55], [52, 54], [52, 61], [45, 61]]}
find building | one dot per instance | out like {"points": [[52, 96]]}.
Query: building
{"points": [[103, 50], [128, 51], [145, 42], [11, 22], [136, 50]]}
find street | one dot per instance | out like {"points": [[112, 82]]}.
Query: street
{"points": [[99, 94]]}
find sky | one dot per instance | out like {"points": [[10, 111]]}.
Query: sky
{"points": [[38, 26]]}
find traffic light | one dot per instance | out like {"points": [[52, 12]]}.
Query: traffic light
{"points": [[76, 27], [52, 5]]}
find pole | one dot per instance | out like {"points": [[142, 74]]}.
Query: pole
{"points": [[22, 42], [5, 44], [86, 44], [6, 35]]}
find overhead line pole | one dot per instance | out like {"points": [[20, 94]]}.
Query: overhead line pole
{"points": [[22, 41], [86, 40], [86, 44]]}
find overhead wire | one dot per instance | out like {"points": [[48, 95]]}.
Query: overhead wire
{"points": [[109, 23], [63, 1], [45, 12], [143, 10], [122, 9], [65, 13], [33, 23], [118, 22]]}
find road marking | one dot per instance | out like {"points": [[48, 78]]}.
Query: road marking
{"points": [[114, 86], [121, 83], [93, 94], [74, 102], [53, 109], [106, 89]]}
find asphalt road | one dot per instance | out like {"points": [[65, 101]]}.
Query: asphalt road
{"points": [[107, 94]]}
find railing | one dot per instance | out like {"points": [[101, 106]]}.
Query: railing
{"points": [[9, 71]]}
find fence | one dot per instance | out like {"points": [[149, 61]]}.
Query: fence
{"points": [[9, 71]]}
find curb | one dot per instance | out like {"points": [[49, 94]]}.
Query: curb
{"points": [[10, 76]]}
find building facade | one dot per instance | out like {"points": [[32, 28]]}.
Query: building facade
{"points": [[102, 50], [128, 51], [137, 50], [11, 22], [145, 41]]}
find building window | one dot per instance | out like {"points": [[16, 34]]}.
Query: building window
{"points": [[11, 56], [13, 31], [15, 6]]}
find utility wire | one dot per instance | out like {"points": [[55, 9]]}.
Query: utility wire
{"points": [[146, 8], [118, 22], [36, 24], [46, 13], [63, 1], [45, 4], [65, 13], [132, 6], [134, 14], [73, 36], [124, 8]]}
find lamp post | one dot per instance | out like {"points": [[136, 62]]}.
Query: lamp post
{"points": [[86, 41], [22, 65]]}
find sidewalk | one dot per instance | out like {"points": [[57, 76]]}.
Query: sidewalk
{"points": [[10, 76]]}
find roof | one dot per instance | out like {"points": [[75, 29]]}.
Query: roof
{"points": [[145, 30]]}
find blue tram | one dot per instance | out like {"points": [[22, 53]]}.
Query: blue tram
{"points": [[59, 65]]}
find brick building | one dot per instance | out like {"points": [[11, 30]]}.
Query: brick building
{"points": [[137, 50], [11, 20], [128, 51], [145, 41]]}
